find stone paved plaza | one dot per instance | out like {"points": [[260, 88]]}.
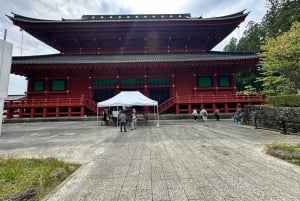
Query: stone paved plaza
{"points": [[178, 161]]}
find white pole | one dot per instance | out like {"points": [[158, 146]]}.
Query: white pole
{"points": [[97, 114], [157, 125]]}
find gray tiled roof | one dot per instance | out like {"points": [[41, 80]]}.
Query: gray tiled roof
{"points": [[130, 17], [133, 58]]}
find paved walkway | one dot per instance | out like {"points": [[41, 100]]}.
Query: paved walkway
{"points": [[179, 162]]}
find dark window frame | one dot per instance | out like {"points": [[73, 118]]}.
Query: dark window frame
{"points": [[35, 86], [222, 82], [54, 84], [203, 83]]}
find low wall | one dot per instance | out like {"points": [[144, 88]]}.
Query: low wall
{"points": [[279, 118]]}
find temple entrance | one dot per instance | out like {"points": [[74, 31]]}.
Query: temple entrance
{"points": [[160, 94], [103, 94]]}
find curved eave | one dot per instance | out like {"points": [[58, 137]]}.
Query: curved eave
{"points": [[23, 65], [132, 58], [57, 33], [19, 18]]}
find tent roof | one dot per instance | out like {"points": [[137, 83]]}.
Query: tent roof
{"points": [[128, 98]]}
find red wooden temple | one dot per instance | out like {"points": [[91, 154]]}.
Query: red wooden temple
{"points": [[167, 57]]}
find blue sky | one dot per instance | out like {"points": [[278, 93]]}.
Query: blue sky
{"points": [[57, 9]]}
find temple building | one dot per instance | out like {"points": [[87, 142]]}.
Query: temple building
{"points": [[167, 57]]}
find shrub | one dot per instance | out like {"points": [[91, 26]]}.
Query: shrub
{"points": [[285, 101]]}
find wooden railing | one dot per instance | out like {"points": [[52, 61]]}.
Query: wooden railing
{"points": [[203, 99], [218, 99], [44, 102], [166, 105], [91, 105], [48, 107]]}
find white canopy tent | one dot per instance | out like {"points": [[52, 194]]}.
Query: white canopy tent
{"points": [[130, 98]]}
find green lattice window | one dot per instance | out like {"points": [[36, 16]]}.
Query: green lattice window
{"points": [[58, 85], [38, 85], [132, 81], [224, 81], [205, 81], [159, 81], [104, 82]]}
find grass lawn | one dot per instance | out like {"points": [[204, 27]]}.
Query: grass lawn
{"points": [[287, 152], [43, 175]]}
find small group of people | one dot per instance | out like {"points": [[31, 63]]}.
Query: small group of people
{"points": [[122, 116], [124, 119], [202, 115]]}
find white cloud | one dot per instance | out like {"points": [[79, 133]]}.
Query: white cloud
{"points": [[70, 9]]}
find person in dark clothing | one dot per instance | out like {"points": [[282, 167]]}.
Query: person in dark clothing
{"points": [[217, 114], [123, 121]]}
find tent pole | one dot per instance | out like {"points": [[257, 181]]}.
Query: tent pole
{"points": [[97, 115], [117, 116], [157, 125]]}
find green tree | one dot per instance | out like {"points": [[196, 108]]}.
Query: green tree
{"points": [[281, 63], [232, 46], [280, 16], [250, 42], [252, 38], [278, 19]]}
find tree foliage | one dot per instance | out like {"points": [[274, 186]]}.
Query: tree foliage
{"points": [[232, 46], [281, 63], [271, 79], [280, 16], [252, 38]]}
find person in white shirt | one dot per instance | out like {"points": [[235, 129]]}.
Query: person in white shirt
{"points": [[115, 115], [195, 114], [204, 114], [133, 119]]}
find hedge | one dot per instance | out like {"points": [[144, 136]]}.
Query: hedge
{"points": [[285, 101]]}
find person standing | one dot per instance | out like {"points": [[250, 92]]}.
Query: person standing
{"points": [[123, 121], [195, 114], [105, 117], [238, 114], [133, 119], [204, 114], [115, 115], [217, 114]]}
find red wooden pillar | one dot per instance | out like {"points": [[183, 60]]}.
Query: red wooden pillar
{"points": [[118, 84], [226, 107], [47, 87], [44, 112], [173, 92], [213, 107], [194, 83], [68, 87], [177, 108], [32, 112], [189, 108], [90, 93], [233, 82], [21, 112], [215, 83], [201, 106], [56, 111], [82, 111], [146, 93], [69, 111], [9, 113]]}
